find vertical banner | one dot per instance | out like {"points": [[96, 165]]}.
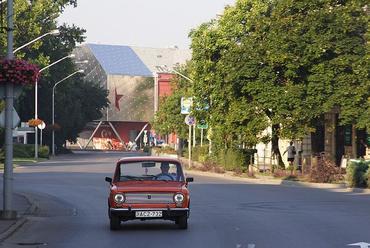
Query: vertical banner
{"points": [[186, 103]]}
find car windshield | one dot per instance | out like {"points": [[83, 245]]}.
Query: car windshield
{"points": [[150, 170]]}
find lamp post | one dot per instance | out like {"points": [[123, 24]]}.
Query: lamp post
{"points": [[36, 95], [166, 69], [52, 110], [182, 75], [8, 212], [53, 32]]}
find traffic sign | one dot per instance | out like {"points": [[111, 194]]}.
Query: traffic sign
{"points": [[42, 125], [189, 120], [16, 118], [202, 124]]}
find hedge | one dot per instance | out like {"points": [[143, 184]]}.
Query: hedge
{"points": [[358, 174]]}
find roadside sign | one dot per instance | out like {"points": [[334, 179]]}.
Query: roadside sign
{"points": [[16, 118], [186, 103], [42, 125], [202, 124], [189, 120]]}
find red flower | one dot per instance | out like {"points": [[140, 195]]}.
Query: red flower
{"points": [[18, 71]]}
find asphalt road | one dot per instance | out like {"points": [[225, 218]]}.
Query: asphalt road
{"points": [[72, 197]]}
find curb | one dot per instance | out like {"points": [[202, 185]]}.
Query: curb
{"points": [[22, 220], [281, 182], [4, 235]]}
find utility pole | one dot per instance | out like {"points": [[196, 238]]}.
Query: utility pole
{"points": [[7, 212]]}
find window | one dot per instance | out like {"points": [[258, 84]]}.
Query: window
{"points": [[150, 170]]}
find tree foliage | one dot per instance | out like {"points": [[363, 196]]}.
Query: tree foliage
{"points": [[282, 64], [168, 119], [76, 101]]}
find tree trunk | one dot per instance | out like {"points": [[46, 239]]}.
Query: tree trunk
{"points": [[180, 147], [275, 145]]}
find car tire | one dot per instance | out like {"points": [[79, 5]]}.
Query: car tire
{"points": [[182, 222], [114, 223]]}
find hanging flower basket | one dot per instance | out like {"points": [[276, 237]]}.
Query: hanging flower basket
{"points": [[34, 122], [17, 72]]}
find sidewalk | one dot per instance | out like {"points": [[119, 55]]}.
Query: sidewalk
{"points": [[270, 180], [23, 205]]}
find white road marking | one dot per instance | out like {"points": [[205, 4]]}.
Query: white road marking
{"points": [[361, 244]]}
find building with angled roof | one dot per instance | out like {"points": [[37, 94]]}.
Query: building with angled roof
{"points": [[135, 79]]}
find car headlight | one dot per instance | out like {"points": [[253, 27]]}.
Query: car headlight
{"points": [[119, 198], [179, 198]]}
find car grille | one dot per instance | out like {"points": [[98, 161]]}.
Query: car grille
{"points": [[149, 198]]}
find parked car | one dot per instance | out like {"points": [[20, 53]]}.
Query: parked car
{"points": [[148, 188]]}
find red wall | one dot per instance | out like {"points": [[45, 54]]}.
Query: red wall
{"points": [[165, 89], [164, 84]]}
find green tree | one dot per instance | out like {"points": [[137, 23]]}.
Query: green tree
{"points": [[221, 67], [168, 119], [77, 102], [284, 63]]}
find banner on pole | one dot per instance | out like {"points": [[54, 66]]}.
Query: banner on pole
{"points": [[186, 103]]}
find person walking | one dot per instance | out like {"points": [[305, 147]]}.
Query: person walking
{"points": [[291, 154]]}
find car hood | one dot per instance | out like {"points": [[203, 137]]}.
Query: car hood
{"points": [[149, 186]]}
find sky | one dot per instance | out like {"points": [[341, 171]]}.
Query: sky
{"points": [[145, 23]]}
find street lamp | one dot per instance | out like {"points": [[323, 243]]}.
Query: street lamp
{"points": [[36, 95], [54, 32], [52, 112], [164, 68], [7, 212]]}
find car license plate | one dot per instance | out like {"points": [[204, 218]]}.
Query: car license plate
{"points": [[148, 214]]}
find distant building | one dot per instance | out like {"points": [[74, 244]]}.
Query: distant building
{"points": [[135, 79]]}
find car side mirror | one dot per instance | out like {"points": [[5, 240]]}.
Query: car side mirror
{"points": [[189, 179], [108, 179]]}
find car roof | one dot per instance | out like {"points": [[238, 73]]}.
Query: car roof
{"points": [[149, 158]]}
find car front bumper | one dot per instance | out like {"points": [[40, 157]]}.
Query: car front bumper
{"points": [[167, 213]]}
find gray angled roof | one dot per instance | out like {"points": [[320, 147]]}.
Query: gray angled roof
{"points": [[119, 60], [137, 61]]}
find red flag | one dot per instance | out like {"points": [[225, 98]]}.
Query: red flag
{"points": [[117, 97]]}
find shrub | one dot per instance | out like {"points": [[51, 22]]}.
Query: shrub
{"points": [[357, 175], [211, 166], [2, 156], [23, 151], [44, 152], [146, 149], [167, 149], [200, 153], [232, 159], [325, 171], [28, 151], [368, 177]]}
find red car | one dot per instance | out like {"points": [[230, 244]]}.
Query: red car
{"points": [[148, 188]]}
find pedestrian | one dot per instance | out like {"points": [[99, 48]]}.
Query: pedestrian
{"points": [[291, 154], [362, 148]]}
